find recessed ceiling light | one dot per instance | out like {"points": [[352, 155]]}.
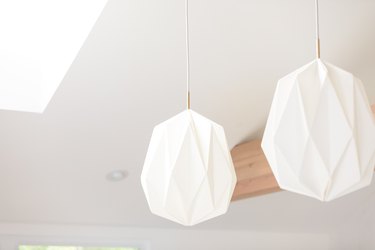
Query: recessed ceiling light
{"points": [[117, 175]]}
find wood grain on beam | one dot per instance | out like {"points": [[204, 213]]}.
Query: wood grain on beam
{"points": [[254, 175]]}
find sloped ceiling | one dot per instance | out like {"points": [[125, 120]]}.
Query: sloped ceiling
{"points": [[130, 76]]}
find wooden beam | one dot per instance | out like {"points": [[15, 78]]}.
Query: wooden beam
{"points": [[254, 175]]}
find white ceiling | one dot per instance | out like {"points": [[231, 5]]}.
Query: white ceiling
{"points": [[130, 76]]}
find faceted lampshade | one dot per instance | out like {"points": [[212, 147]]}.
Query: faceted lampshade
{"points": [[188, 175], [39, 41], [320, 134]]}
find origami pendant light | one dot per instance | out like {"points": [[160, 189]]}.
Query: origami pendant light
{"points": [[320, 134], [188, 175]]}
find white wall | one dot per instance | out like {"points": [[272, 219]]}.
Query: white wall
{"points": [[161, 239], [367, 230]]}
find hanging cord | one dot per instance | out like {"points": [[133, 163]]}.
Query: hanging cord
{"points": [[317, 29], [187, 54]]}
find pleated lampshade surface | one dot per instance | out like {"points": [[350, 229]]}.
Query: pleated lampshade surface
{"points": [[188, 176], [320, 134]]}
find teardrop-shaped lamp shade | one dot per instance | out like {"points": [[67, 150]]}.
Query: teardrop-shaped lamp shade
{"points": [[320, 134], [188, 175]]}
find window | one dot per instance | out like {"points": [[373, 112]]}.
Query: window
{"points": [[25, 247]]}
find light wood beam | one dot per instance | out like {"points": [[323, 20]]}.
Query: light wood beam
{"points": [[254, 175]]}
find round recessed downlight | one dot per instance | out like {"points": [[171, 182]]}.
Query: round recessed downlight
{"points": [[117, 175]]}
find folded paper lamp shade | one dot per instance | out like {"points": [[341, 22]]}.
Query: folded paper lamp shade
{"points": [[188, 176], [320, 134], [39, 41]]}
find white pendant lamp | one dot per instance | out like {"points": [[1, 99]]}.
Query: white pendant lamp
{"points": [[188, 175], [320, 134]]}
